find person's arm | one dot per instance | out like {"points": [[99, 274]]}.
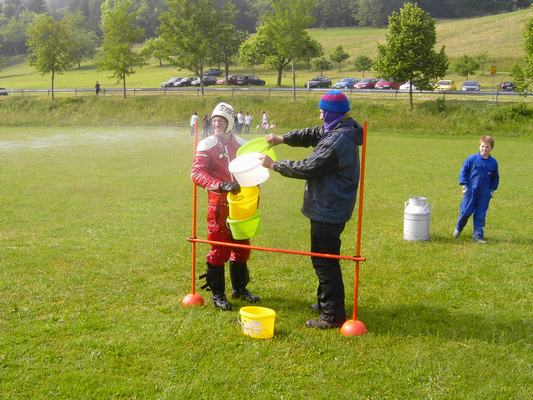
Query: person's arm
{"points": [[495, 181], [304, 137], [323, 160], [464, 175]]}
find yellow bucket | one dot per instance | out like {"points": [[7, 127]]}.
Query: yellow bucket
{"points": [[243, 205], [257, 322]]}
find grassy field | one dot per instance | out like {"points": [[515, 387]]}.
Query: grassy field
{"points": [[94, 264], [499, 35]]}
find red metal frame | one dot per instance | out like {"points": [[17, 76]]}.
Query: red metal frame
{"points": [[357, 258]]}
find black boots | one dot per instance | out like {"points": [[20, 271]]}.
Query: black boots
{"points": [[216, 282], [240, 276], [330, 296]]}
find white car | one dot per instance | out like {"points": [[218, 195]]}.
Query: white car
{"points": [[405, 87]]}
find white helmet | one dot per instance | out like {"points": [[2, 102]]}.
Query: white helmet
{"points": [[224, 110]]}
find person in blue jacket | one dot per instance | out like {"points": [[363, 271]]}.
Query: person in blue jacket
{"points": [[479, 178], [331, 172]]}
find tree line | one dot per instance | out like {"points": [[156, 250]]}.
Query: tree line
{"points": [[17, 15]]}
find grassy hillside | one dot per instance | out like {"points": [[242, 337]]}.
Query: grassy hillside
{"points": [[499, 35]]}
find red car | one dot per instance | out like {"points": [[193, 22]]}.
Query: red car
{"points": [[366, 83], [387, 84]]}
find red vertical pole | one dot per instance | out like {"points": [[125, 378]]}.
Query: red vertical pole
{"points": [[194, 206], [359, 221], [194, 299]]}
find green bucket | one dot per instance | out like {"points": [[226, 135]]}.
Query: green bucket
{"points": [[258, 145], [246, 228]]}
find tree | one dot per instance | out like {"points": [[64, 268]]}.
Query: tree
{"points": [[363, 63], [282, 39], [120, 33], [338, 56], [155, 47], [50, 46], [523, 74], [84, 41], [190, 29], [482, 59], [229, 38], [408, 53], [14, 33], [321, 64], [466, 66]]}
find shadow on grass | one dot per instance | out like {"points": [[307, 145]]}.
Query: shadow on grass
{"points": [[466, 238], [421, 320], [418, 320]]}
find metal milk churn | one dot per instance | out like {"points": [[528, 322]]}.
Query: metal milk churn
{"points": [[416, 218]]}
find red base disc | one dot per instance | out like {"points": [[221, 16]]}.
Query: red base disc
{"points": [[353, 328], [193, 300]]}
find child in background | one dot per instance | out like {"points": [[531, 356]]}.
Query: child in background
{"points": [[479, 178]]}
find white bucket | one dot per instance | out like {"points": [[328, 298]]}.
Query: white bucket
{"points": [[248, 171], [416, 219]]}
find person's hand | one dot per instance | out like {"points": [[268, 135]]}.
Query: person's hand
{"points": [[232, 187], [274, 140], [465, 189], [491, 194], [266, 161]]}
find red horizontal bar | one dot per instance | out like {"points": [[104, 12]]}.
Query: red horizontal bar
{"points": [[275, 250]]}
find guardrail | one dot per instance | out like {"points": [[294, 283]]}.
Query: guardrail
{"points": [[494, 95]]}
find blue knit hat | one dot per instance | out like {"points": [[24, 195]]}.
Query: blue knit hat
{"points": [[335, 101]]}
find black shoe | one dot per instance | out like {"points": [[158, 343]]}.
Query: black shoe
{"points": [[221, 301], [245, 295], [321, 324]]}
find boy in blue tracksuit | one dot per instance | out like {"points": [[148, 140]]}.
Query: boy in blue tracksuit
{"points": [[479, 178]]}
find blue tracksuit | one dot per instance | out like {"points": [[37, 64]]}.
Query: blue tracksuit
{"points": [[481, 178]]}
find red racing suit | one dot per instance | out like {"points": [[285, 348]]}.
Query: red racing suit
{"points": [[209, 169]]}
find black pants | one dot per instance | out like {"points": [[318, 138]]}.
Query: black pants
{"points": [[325, 238]]}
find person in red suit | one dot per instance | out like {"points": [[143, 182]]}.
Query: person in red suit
{"points": [[210, 171]]}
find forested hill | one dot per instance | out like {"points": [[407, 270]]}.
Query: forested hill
{"points": [[17, 15], [328, 13]]}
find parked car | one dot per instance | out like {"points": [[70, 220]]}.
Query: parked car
{"points": [[220, 81], [366, 83], [471, 86], [445, 85], [345, 83], [213, 72], [318, 82], [405, 87], [208, 81], [387, 84], [3, 92], [171, 82], [185, 81], [253, 80], [507, 86], [235, 80]]}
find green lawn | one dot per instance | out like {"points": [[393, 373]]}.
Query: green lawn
{"points": [[94, 264]]}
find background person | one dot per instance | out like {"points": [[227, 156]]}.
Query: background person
{"points": [[247, 123], [193, 123], [210, 171], [264, 122], [331, 172], [97, 88], [240, 122], [479, 178], [206, 123]]}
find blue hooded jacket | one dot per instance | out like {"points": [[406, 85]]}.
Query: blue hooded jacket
{"points": [[331, 171]]}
